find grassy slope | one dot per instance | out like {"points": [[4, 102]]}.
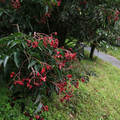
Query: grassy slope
{"points": [[97, 100], [114, 51]]}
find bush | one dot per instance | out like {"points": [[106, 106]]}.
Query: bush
{"points": [[40, 67]]}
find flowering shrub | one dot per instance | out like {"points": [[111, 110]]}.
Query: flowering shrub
{"points": [[41, 67]]}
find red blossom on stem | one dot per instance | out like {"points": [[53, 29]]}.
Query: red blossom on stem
{"points": [[19, 82], [43, 78], [12, 75], [15, 4], [28, 43], [37, 117], [35, 44], [77, 84], [43, 70], [48, 67], [69, 76], [55, 33], [83, 80], [59, 2], [45, 108], [38, 74]]}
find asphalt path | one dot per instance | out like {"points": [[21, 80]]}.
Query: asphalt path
{"points": [[106, 57]]}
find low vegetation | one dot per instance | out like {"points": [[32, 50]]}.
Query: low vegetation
{"points": [[98, 99], [114, 51]]}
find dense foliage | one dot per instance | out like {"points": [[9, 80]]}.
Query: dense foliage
{"points": [[88, 21], [38, 63], [39, 67]]}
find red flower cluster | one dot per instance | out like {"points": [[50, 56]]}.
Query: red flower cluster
{"points": [[70, 56], [82, 80], [62, 87], [66, 97], [63, 57], [47, 40], [12, 75], [66, 90], [59, 2], [45, 108], [33, 44], [69, 76], [37, 117], [77, 84], [15, 4], [36, 80], [41, 74], [19, 82]]}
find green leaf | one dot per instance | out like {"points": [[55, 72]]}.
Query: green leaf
{"points": [[32, 64], [16, 58], [13, 44], [9, 42], [39, 107], [23, 44], [5, 61], [1, 61]]}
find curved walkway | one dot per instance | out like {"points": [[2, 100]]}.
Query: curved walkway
{"points": [[106, 57]]}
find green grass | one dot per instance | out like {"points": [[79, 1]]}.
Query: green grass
{"points": [[99, 99], [114, 51]]}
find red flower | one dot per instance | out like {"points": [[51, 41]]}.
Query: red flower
{"points": [[58, 3], [36, 84], [38, 74], [45, 108], [15, 4], [43, 70], [28, 85], [35, 44], [37, 117], [58, 52], [26, 114], [69, 76], [77, 84], [28, 43], [73, 55], [52, 43], [83, 80], [55, 33], [61, 65], [55, 43], [43, 78], [48, 67], [62, 99], [45, 41], [12, 75], [117, 13], [42, 119], [31, 118], [47, 14], [116, 18], [19, 82]]}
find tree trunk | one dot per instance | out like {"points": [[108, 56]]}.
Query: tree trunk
{"points": [[93, 46]]}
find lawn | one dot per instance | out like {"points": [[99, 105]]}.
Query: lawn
{"points": [[114, 51], [99, 99]]}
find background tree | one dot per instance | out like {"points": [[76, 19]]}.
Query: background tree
{"points": [[87, 21]]}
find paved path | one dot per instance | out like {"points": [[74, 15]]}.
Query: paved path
{"points": [[106, 57]]}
